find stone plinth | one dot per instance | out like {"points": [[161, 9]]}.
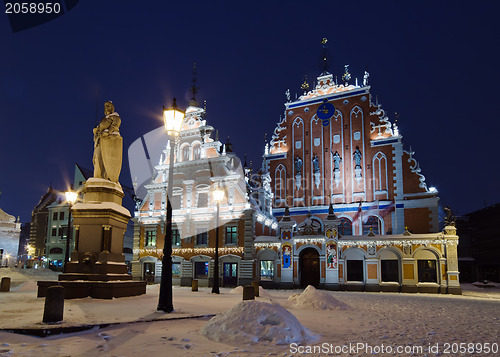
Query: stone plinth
{"points": [[97, 267]]}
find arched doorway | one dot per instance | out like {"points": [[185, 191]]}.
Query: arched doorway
{"points": [[309, 267]]}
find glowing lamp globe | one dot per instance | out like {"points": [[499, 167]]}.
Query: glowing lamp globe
{"points": [[71, 196], [218, 195], [173, 118]]}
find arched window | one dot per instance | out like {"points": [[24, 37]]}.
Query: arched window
{"points": [[196, 152], [280, 184], [371, 224], [345, 227], [185, 153], [380, 173]]}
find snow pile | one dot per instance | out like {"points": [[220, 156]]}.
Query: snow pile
{"points": [[254, 321], [316, 300], [239, 290]]}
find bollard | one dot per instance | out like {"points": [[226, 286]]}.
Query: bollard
{"points": [[54, 304], [248, 292], [5, 285], [255, 285], [194, 285]]}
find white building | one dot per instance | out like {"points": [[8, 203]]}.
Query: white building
{"points": [[10, 229]]}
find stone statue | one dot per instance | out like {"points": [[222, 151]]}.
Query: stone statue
{"points": [[298, 165], [357, 157], [315, 162], [336, 161], [108, 145], [365, 78]]}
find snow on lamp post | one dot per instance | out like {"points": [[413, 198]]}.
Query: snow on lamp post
{"points": [[173, 118], [71, 199]]}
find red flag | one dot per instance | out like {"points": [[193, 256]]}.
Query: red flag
{"points": [[358, 213], [388, 209]]}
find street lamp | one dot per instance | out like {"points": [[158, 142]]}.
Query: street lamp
{"points": [[218, 195], [173, 121], [71, 199]]}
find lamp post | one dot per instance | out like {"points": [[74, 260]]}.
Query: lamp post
{"points": [[218, 197], [173, 121], [71, 199]]}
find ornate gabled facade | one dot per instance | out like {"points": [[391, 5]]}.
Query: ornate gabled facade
{"points": [[201, 164], [334, 146]]}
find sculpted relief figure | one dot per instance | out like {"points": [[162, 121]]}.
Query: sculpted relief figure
{"points": [[108, 145]]}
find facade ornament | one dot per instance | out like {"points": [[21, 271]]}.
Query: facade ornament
{"points": [[336, 167], [346, 76], [365, 78], [287, 93], [298, 171], [449, 220], [317, 174], [357, 162]]}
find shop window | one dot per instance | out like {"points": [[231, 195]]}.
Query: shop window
{"points": [[355, 270], [150, 240], [201, 270], [266, 269], [427, 271], [176, 269], [345, 227], [389, 270], [371, 225], [232, 235]]}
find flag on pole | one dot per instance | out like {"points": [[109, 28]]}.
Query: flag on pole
{"points": [[372, 211], [358, 213], [391, 207]]}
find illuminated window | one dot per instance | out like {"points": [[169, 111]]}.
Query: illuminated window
{"points": [[345, 227], [266, 269], [150, 238], [176, 237], [232, 235], [427, 272], [371, 224]]}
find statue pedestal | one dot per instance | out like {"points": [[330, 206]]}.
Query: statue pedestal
{"points": [[97, 267]]}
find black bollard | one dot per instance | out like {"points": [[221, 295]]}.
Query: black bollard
{"points": [[54, 304], [5, 285], [255, 285], [248, 292]]}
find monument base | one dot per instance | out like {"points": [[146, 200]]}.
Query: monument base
{"points": [[94, 289]]}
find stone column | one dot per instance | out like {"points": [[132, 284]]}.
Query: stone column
{"points": [[450, 234]]}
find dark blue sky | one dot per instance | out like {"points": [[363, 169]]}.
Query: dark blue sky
{"points": [[435, 63]]}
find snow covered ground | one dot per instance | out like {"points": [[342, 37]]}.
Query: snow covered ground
{"points": [[369, 319]]}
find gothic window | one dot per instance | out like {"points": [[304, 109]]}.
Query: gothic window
{"points": [[345, 227], [379, 172], [280, 184], [371, 225]]}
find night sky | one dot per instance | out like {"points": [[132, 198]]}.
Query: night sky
{"points": [[435, 63]]}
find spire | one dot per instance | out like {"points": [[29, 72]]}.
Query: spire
{"points": [[324, 57], [194, 89]]}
